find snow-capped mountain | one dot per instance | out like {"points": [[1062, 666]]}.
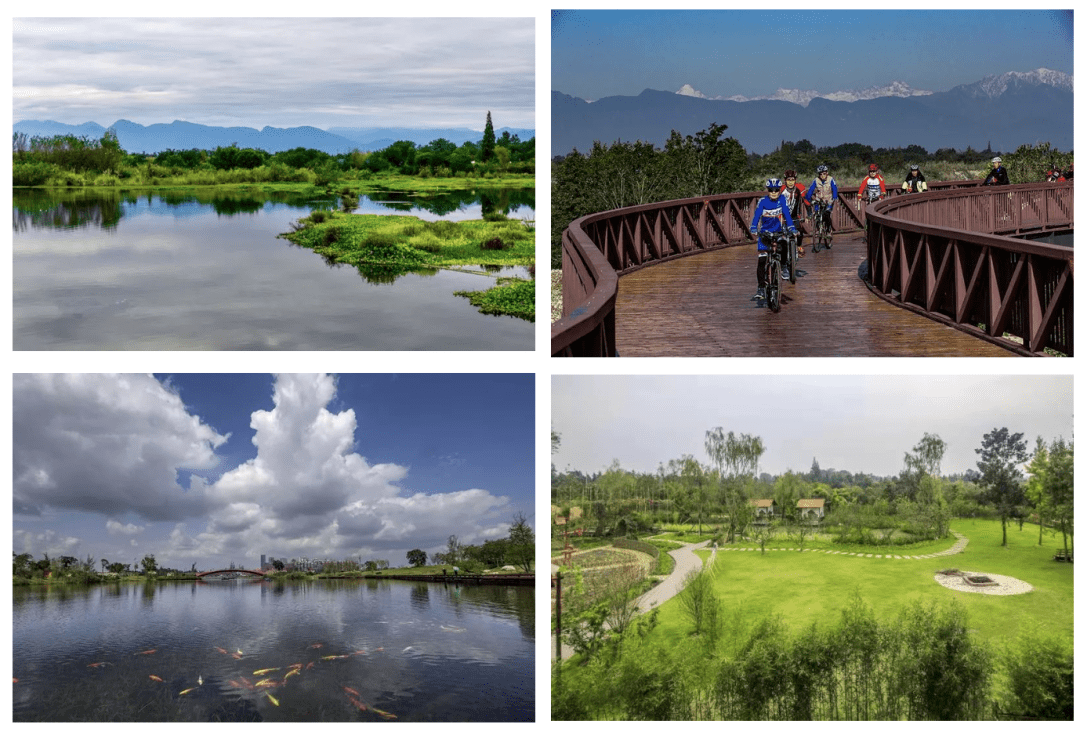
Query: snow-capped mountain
{"points": [[803, 96], [996, 85]]}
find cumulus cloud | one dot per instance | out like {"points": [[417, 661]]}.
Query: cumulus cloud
{"points": [[44, 542], [106, 444], [116, 528]]}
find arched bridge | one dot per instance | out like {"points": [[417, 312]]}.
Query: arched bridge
{"points": [[947, 272], [252, 572]]}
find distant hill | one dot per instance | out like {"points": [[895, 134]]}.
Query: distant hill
{"points": [[1007, 110], [180, 135]]}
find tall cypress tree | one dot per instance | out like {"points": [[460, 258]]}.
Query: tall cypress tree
{"points": [[487, 145]]}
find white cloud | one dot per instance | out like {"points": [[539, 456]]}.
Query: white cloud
{"points": [[45, 542], [123, 529], [106, 444]]}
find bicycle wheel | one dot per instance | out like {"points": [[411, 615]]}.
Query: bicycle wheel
{"points": [[772, 290], [793, 258]]}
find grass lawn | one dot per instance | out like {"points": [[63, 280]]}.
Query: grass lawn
{"points": [[813, 587]]}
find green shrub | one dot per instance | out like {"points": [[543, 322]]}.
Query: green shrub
{"points": [[318, 216], [495, 217], [442, 228], [426, 241], [33, 174], [1039, 673]]}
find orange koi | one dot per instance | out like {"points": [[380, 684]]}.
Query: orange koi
{"points": [[296, 666], [235, 684], [237, 656], [358, 653], [315, 645], [99, 663], [188, 690], [358, 704], [351, 691], [260, 672], [310, 664], [291, 672], [14, 680], [247, 683], [331, 658], [146, 653], [271, 698], [264, 682], [383, 714], [157, 678], [221, 650]]}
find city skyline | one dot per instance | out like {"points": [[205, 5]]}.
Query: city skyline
{"points": [[213, 469]]}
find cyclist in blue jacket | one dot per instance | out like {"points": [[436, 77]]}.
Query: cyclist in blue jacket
{"points": [[771, 215]]}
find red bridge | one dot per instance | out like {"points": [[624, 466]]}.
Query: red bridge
{"points": [[253, 572], [946, 272]]}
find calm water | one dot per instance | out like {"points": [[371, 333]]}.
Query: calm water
{"points": [[207, 271], [416, 651]]}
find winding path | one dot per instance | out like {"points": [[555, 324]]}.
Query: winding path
{"points": [[686, 561], [956, 548]]}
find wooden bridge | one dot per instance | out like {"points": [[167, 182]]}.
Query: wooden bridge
{"points": [[232, 572], [944, 273]]}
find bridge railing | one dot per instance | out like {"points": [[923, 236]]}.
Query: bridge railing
{"points": [[944, 256], [598, 248]]}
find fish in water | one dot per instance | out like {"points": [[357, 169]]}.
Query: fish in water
{"points": [[200, 679], [146, 653], [384, 714], [235, 684], [331, 658], [186, 691], [238, 655], [99, 663], [296, 666], [221, 650], [157, 678], [452, 628], [260, 672], [271, 698], [315, 645], [358, 653], [291, 672], [358, 704], [264, 682], [310, 665], [380, 648], [14, 680], [352, 691], [246, 682]]}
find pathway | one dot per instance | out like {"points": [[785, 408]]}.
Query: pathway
{"points": [[686, 561], [956, 548]]}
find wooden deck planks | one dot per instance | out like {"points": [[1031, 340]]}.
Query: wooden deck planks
{"points": [[701, 306]]}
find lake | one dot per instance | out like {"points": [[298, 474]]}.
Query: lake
{"points": [[362, 651], [205, 270]]}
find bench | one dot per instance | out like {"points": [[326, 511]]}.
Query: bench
{"points": [[1063, 555]]}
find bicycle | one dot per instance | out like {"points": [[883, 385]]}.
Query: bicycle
{"points": [[822, 230], [773, 242]]}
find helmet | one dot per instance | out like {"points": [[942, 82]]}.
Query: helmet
{"points": [[823, 169], [873, 168], [914, 167], [773, 185], [996, 159], [790, 174]]}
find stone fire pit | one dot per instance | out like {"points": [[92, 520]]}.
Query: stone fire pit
{"points": [[981, 582]]}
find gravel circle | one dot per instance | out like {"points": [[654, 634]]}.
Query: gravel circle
{"points": [[1005, 585]]}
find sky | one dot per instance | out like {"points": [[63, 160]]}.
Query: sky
{"points": [[219, 469], [753, 53], [281, 72], [855, 423]]}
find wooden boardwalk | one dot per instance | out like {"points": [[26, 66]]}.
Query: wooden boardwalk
{"points": [[700, 306]]}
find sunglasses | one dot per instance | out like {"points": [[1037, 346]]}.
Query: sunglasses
{"points": [[772, 189]]}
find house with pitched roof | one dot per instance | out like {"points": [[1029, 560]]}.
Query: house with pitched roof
{"points": [[811, 507], [763, 507]]}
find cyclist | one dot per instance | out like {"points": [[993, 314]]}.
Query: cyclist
{"points": [[1054, 174], [771, 214], [998, 175], [915, 181], [794, 193], [822, 194], [873, 185]]}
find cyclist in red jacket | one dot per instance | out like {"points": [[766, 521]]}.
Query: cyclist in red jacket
{"points": [[873, 185], [795, 194]]}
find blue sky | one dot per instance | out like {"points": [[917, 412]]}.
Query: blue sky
{"points": [[282, 72], [729, 52], [213, 469], [860, 423]]}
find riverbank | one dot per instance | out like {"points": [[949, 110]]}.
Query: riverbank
{"points": [[386, 246], [303, 183]]}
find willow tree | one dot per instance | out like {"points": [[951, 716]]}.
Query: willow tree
{"points": [[736, 460]]}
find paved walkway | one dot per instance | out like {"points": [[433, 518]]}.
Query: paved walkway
{"points": [[961, 542], [686, 561]]}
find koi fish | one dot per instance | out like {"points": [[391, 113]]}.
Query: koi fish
{"points": [[331, 658], [358, 704], [315, 645], [247, 683], [358, 653], [264, 682], [99, 663], [380, 648], [296, 666], [271, 698], [352, 691], [221, 650], [383, 714], [238, 655], [260, 672], [14, 680], [146, 653], [310, 665], [157, 678], [291, 672], [235, 684], [188, 690]]}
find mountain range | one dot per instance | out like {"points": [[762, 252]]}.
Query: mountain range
{"points": [[181, 135], [1006, 111]]}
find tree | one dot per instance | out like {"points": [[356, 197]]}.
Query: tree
{"points": [[453, 550], [703, 164], [522, 543], [1059, 486], [556, 441], [487, 143], [279, 565], [1001, 455], [736, 459], [417, 557], [1036, 488], [21, 564], [149, 564], [104, 565]]}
